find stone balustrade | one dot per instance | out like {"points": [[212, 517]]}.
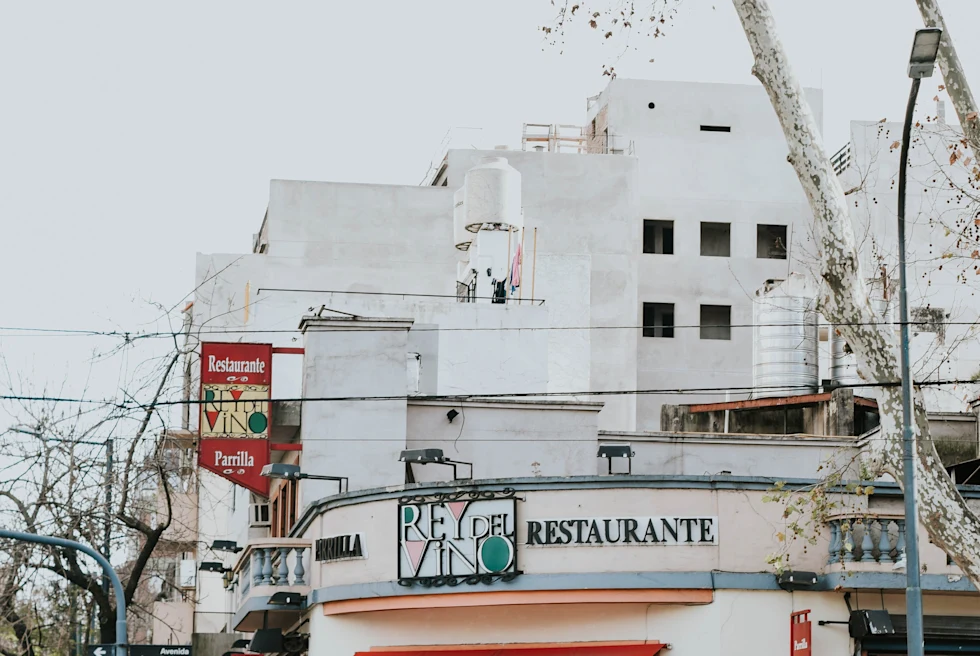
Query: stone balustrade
{"points": [[866, 540], [271, 563]]}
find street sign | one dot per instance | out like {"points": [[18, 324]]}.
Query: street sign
{"points": [[141, 650], [160, 650]]}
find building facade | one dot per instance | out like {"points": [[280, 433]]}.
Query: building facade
{"points": [[396, 314]]}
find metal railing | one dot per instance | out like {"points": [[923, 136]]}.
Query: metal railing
{"points": [[866, 540], [841, 160]]}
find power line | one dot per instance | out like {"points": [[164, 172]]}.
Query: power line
{"points": [[476, 398], [19, 331]]}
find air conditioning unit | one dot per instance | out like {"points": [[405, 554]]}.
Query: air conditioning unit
{"points": [[259, 515], [187, 574]]}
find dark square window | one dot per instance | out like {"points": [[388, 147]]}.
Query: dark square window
{"points": [[716, 322], [716, 239], [658, 237], [770, 242], [658, 319]]}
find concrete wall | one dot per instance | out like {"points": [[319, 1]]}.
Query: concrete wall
{"points": [[173, 622], [348, 358], [504, 438], [587, 241], [777, 456], [739, 622], [377, 237], [688, 176]]}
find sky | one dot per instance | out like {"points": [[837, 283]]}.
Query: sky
{"points": [[134, 135]]}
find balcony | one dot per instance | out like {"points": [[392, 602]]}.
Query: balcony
{"points": [[865, 543], [266, 567]]}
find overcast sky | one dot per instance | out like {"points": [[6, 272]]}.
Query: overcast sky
{"points": [[134, 135]]}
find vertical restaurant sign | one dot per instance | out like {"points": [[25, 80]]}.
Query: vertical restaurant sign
{"points": [[239, 460], [799, 634], [236, 386], [235, 416]]}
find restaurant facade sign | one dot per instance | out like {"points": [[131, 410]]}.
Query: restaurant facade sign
{"points": [[623, 531], [448, 539], [235, 412]]}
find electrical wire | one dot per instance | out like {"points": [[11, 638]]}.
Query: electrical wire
{"points": [[476, 398], [19, 331]]}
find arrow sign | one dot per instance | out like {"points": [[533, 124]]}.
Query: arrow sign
{"points": [[100, 650]]}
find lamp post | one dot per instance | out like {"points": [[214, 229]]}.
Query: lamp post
{"points": [[921, 64]]}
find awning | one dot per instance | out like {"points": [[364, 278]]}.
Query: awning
{"points": [[586, 649]]}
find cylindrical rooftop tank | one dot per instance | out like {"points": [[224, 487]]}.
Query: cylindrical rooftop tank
{"points": [[493, 194], [843, 361], [785, 338], [461, 236]]}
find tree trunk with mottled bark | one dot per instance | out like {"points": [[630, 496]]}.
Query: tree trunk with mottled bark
{"points": [[844, 299]]}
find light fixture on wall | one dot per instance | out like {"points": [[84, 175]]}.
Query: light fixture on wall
{"points": [[452, 414], [429, 457], [213, 566], [292, 599], [286, 472], [225, 545], [611, 451], [791, 581]]}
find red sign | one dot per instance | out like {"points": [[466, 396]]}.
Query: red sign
{"points": [[799, 633], [231, 362], [236, 412], [236, 388], [240, 461]]}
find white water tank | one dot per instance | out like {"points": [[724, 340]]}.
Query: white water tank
{"points": [[843, 361], [785, 338], [461, 236], [493, 195]]}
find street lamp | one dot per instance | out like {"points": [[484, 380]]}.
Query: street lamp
{"points": [[283, 471], [921, 64]]}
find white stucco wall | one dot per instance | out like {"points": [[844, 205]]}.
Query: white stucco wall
{"points": [[688, 176], [583, 208], [506, 438], [693, 454], [739, 622]]}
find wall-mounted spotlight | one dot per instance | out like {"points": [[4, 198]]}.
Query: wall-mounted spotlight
{"points": [[429, 457], [612, 451]]}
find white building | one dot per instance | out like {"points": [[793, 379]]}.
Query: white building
{"points": [[646, 244]]}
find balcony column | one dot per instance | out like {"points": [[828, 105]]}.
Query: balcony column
{"points": [[283, 566], [299, 571]]}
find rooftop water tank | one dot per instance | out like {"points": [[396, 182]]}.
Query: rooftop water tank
{"points": [[461, 236], [493, 195], [785, 338], [843, 361]]}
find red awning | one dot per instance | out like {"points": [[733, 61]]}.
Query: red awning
{"points": [[524, 650]]}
